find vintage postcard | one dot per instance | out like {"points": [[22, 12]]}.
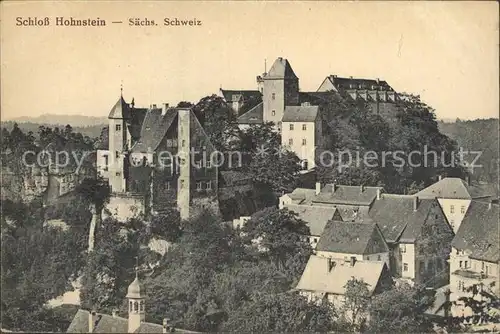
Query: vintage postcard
{"points": [[250, 166]]}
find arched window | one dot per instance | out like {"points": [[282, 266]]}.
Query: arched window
{"points": [[130, 306], [136, 306]]}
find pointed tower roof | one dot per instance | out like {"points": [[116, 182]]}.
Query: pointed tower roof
{"points": [[136, 289], [120, 110], [281, 69]]}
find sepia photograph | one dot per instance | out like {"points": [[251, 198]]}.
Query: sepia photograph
{"points": [[250, 167]]}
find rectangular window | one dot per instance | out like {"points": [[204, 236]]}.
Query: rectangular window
{"points": [[290, 141], [291, 126], [117, 154], [182, 184], [304, 127], [167, 185], [117, 174], [118, 127], [273, 96], [198, 186], [183, 143], [208, 164], [402, 247], [209, 185], [466, 265], [405, 266], [106, 161], [452, 209], [304, 141], [379, 258], [462, 209], [460, 264], [273, 112]]}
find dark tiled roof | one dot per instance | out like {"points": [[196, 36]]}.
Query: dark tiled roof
{"points": [[281, 69], [137, 116], [350, 195], [105, 323], [236, 95], [147, 327], [120, 110], [316, 217], [358, 83], [396, 218], [315, 98], [347, 237], [154, 128], [253, 116], [300, 114], [109, 324], [479, 232]]}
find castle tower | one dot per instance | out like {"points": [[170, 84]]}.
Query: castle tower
{"points": [[118, 142], [280, 89], [136, 304]]}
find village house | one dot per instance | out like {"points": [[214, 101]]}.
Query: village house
{"points": [[475, 256], [157, 157], [360, 240], [325, 278], [86, 321], [455, 195], [415, 229]]}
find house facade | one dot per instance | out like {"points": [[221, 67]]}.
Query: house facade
{"points": [[475, 256]]}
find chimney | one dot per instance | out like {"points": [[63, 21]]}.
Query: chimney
{"points": [[166, 326], [440, 177], [378, 81], [353, 261], [92, 320], [318, 188], [415, 203], [362, 188], [333, 188], [164, 108], [330, 264], [378, 193]]}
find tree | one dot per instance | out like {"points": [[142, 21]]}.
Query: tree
{"points": [[167, 225], [356, 301], [401, 310], [281, 236], [96, 192], [284, 312]]}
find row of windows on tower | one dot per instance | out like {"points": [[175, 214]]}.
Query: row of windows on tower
{"points": [[200, 185], [452, 209], [290, 141], [304, 127]]}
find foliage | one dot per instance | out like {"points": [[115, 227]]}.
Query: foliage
{"points": [[284, 312], [279, 234], [401, 310], [357, 298], [167, 225], [356, 132], [95, 191]]}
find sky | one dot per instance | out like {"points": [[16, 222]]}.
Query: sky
{"points": [[448, 52]]}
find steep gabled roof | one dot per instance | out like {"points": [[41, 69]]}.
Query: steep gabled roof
{"points": [[349, 238], [154, 128], [349, 195], [104, 324], [300, 114], [358, 83], [253, 116], [137, 116], [317, 276], [120, 110], [449, 187], [281, 69], [316, 217], [396, 218], [479, 232]]}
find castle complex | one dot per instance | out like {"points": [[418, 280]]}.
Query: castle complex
{"points": [[298, 115], [157, 157]]}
